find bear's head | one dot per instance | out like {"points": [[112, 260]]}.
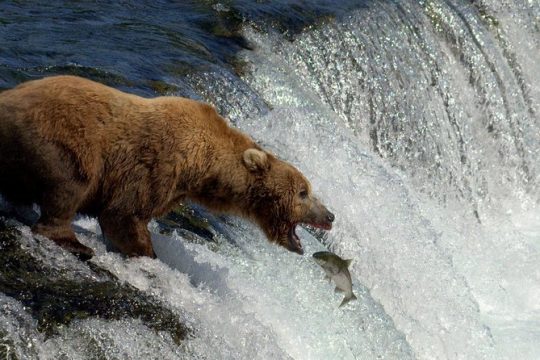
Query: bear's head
{"points": [[279, 198]]}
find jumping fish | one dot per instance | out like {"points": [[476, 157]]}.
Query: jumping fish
{"points": [[337, 270]]}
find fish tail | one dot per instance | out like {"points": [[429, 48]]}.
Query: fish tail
{"points": [[347, 299]]}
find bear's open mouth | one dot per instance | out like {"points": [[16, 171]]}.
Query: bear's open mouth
{"points": [[294, 241]]}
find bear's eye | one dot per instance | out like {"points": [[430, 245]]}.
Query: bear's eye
{"points": [[303, 194]]}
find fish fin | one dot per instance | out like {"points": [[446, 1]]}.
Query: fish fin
{"points": [[348, 261], [347, 299], [338, 290]]}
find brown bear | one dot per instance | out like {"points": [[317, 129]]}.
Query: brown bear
{"points": [[73, 145]]}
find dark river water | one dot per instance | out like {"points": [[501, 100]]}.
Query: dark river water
{"points": [[138, 44]]}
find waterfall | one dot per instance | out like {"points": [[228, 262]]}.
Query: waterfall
{"points": [[418, 123]]}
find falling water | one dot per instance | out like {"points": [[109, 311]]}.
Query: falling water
{"points": [[418, 123]]}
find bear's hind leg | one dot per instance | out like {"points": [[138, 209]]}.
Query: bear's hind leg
{"points": [[128, 233], [58, 207]]}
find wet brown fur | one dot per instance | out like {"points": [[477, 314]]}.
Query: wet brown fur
{"points": [[74, 145]]}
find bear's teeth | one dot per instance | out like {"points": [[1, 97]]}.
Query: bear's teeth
{"points": [[294, 240]]}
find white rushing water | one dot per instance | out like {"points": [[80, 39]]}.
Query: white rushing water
{"points": [[417, 124]]}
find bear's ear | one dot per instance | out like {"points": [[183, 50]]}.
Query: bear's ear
{"points": [[255, 160]]}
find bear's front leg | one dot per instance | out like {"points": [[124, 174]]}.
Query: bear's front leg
{"points": [[128, 233]]}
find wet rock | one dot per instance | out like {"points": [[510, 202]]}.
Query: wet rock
{"points": [[162, 88], [60, 290], [190, 220], [6, 347], [184, 217]]}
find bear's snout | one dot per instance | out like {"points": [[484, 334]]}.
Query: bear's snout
{"points": [[319, 216], [330, 217]]}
